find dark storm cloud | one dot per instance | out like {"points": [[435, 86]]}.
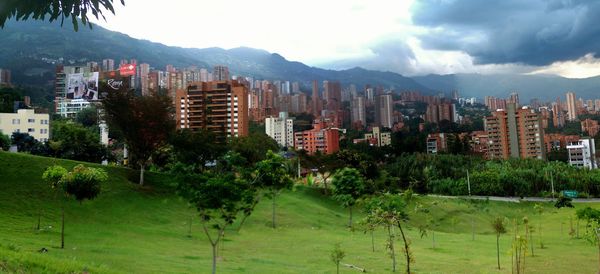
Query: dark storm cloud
{"points": [[533, 32]]}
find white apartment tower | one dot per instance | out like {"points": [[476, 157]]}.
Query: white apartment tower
{"points": [[281, 129], [571, 107]]}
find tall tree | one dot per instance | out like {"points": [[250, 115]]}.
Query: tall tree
{"points": [[77, 10], [76, 142], [81, 183], [389, 211], [349, 186], [146, 122], [196, 148], [273, 176], [218, 197], [253, 147]]}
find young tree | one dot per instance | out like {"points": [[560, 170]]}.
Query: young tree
{"points": [[218, 198], [82, 183], [337, 255], [146, 122], [499, 228], [76, 142], [349, 187], [592, 235], [539, 209], [55, 10], [273, 176], [4, 142], [188, 151], [389, 211]]}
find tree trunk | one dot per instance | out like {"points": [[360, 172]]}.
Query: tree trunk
{"points": [[350, 220], [530, 240], [39, 218], [391, 239], [142, 166], [577, 228], [540, 235], [337, 266], [62, 228], [273, 217], [372, 241], [190, 227], [433, 237], [498, 249], [406, 250], [214, 258]]}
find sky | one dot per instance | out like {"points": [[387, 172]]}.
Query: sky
{"points": [[410, 37]]}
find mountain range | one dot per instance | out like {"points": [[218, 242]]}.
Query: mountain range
{"points": [[31, 49]]}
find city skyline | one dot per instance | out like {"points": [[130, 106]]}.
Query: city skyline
{"points": [[414, 37]]}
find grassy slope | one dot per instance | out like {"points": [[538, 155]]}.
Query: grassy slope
{"points": [[128, 229]]}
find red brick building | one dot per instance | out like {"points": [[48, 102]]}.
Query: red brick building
{"points": [[320, 138]]}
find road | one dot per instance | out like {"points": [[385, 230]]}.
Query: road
{"points": [[517, 199]]}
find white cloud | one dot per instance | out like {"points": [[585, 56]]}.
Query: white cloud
{"points": [[584, 67]]}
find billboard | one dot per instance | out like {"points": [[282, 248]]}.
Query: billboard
{"points": [[113, 81], [127, 69], [82, 86]]}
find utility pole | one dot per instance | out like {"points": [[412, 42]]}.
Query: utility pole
{"points": [[468, 183]]}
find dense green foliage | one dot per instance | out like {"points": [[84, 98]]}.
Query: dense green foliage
{"points": [[145, 122], [447, 174], [4, 142], [78, 10]]}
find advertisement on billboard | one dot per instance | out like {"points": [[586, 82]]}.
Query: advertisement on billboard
{"points": [[82, 86], [127, 69], [113, 81]]}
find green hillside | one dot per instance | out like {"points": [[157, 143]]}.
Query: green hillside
{"points": [[129, 229]]}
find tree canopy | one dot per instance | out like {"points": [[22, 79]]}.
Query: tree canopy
{"points": [[53, 10]]}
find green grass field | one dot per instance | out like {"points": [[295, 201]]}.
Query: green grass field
{"points": [[129, 229]]}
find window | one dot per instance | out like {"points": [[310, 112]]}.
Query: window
{"points": [[31, 130], [16, 121], [30, 121]]}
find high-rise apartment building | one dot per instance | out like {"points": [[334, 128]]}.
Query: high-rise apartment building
{"points": [[590, 126], [316, 100], [144, 71], [320, 138], [4, 77], [298, 103], [514, 99], [571, 106], [217, 106], [583, 153], [359, 116], [221, 73], [384, 106], [108, 65], [281, 129], [558, 116], [515, 133]]}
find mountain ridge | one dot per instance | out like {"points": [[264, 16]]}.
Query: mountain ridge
{"points": [[34, 41], [31, 50]]}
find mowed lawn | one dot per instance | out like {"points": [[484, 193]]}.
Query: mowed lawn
{"points": [[132, 229]]}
